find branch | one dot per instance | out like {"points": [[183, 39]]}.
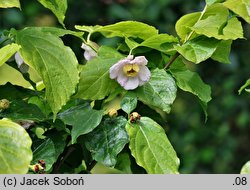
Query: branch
{"points": [[176, 55], [61, 159]]}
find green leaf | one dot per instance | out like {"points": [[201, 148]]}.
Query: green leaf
{"points": [[59, 31], [102, 169], [58, 7], [129, 102], [151, 148], [215, 23], [159, 92], [48, 149], [190, 82], [244, 86], [16, 78], [232, 30], [107, 140], [12, 92], [240, 7], [95, 82], [198, 49], [131, 43], [204, 108], [112, 103], [124, 163], [15, 148], [7, 51], [210, 2], [160, 42], [128, 29], [222, 51], [184, 24], [41, 104], [82, 118], [20, 110], [54, 62], [89, 29], [9, 3], [246, 168]]}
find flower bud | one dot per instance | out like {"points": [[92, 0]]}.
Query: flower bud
{"points": [[112, 113], [42, 163], [89, 52], [134, 117], [36, 168], [24, 68], [4, 104]]}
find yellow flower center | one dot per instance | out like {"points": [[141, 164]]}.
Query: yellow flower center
{"points": [[131, 70]]}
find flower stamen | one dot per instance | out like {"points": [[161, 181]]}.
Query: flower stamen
{"points": [[131, 70]]}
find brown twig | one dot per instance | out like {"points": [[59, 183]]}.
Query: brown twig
{"points": [[175, 56], [61, 159], [58, 166]]}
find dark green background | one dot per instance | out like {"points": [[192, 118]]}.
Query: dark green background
{"points": [[221, 145]]}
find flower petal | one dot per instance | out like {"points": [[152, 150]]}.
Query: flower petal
{"points": [[130, 57], [122, 79], [144, 74], [126, 60], [139, 60], [84, 46], [89, 53], [132, 83], [114, 71], [19, 59]]}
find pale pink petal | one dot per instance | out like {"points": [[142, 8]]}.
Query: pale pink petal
{"points": [[130, 57], [144, 74], [122, 79], [19, 59], [89, 53], [85, 47], [115, 70], [126, 60], [140, 60], [24, 68], [132, 83]]}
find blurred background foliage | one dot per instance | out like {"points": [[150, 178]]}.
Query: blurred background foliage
{"points": [[221, 145]]}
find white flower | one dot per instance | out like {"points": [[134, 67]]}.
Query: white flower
{"points": [[130, 72], [19, 59], [89, 53], [20, 63]]}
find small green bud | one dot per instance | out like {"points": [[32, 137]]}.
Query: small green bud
{"points": [[4, 104]]}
